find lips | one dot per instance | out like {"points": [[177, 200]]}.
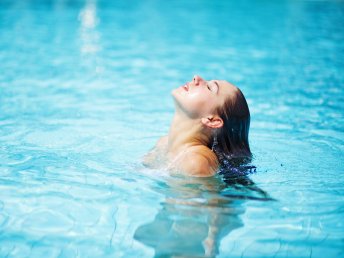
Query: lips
{"points": [[186, 87]]}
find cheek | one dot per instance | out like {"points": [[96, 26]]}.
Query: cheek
{"points": [[195, 104], [199, 105]]}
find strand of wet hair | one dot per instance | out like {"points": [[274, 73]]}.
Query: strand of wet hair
{"points": [[226, 163]]}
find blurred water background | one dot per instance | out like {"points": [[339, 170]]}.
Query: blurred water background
{"points": [[85, 93]]}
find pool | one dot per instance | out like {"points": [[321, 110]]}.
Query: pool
{"points": [[85, 93]]}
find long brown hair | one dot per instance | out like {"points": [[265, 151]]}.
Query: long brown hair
{"points": [[231, 140]]}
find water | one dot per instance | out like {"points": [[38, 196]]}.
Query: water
{"points": [[85, 93]]}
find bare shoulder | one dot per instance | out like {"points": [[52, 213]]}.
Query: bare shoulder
{"points": [[199, 161]]}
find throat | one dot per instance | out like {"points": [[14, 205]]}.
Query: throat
{"points": [[185, 132]]}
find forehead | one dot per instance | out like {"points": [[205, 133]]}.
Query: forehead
{"points": [[226, 89]]}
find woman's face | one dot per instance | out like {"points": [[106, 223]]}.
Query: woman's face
{"points": [[200, 98]]}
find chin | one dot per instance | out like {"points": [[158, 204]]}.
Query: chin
{"points": [[176, 97], [175, 93], [179, 100]]}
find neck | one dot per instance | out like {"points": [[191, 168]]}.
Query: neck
{"points": [[185, 132]]}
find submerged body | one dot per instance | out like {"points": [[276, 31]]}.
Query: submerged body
{"points": [[205, 112]]}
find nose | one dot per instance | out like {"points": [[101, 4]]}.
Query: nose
{"points": [[197, 80]]}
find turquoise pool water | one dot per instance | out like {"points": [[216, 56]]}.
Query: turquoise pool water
{"points": [[85, 92]]}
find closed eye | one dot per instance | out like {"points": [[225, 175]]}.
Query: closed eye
{"points": [[214, 87], [211, 88]]}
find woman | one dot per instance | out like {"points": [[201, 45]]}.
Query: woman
{"points": [[210, 126]]}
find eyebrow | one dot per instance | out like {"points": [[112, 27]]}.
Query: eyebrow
{"points": [[218, 87]]}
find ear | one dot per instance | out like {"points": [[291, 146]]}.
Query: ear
{"points": [[212, 121]]}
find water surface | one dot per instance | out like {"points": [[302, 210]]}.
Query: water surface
{"points": [[85, 92]]}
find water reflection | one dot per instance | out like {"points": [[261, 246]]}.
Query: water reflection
{"points": [[196, 214], [88, 23]]}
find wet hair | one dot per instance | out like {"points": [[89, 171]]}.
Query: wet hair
{"points": [[230, 142]]}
